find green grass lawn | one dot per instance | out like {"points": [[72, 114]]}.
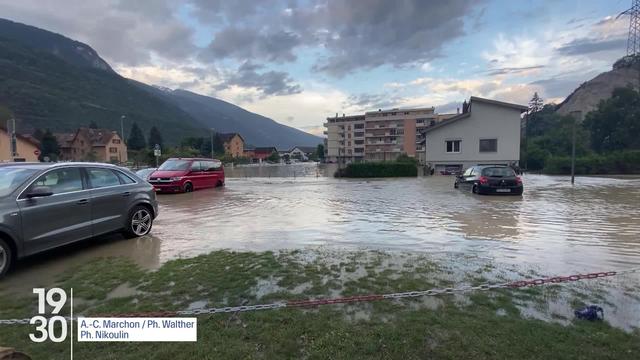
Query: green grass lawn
{"points": [[478, 325]]}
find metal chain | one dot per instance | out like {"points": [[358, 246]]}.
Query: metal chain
{"points": [[359, 298]]}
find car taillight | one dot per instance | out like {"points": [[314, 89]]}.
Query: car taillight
{"points": [[483, 180], [518, 180]]}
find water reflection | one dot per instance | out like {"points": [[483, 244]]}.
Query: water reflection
{"points": [[593, 225]]}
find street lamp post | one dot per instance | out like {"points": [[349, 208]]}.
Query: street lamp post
{"points": [[212, 132], [576, 116], [122, 127]]}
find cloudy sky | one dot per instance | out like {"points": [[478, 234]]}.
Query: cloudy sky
{"points": [[299, 61]]}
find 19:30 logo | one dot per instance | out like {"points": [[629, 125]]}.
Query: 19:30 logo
{"points": [[53, 328]]}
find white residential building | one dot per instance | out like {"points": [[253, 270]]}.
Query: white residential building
{"points": [[487, 133]]}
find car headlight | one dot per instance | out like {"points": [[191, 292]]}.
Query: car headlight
{"points": [[176, 178]]}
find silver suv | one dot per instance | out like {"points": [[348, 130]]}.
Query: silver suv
{"points": [[43, 206]]}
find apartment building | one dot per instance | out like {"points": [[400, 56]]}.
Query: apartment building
{"points": [[379, 135], [390, 133], [345, 138]]}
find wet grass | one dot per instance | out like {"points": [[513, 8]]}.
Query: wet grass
{"points": [[487, 325]]}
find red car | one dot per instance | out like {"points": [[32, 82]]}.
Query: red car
{"points": [[187, 174]]}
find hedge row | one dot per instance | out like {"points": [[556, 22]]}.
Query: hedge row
{"points": [[378, 169], [625, 162]]}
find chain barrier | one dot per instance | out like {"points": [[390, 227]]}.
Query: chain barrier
{"points": [[358, 298]]}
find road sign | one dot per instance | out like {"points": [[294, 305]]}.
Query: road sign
{"points": [[157, 153], [36, 152]]}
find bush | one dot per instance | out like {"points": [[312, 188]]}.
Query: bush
{"points": [[378, 169], [623, 162]]}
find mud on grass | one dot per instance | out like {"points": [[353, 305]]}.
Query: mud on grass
{"points": [[479, 325]]}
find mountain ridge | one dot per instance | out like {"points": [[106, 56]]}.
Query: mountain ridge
{"points": [[587, 96], [51, 81]]}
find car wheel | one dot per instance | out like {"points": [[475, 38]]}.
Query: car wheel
{"points": [[219, 183], [139, 222], [455, 185], [474, 189], [6, 256], [188, 187]]}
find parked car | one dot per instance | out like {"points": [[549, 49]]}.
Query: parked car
{"points": [[144, 174], [43, 206], [490, 179], [187, 175]]}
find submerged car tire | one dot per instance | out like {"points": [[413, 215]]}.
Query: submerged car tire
{"points": [[188, 187], [219, 183], [455, 185], [139, 222], [474, 189], [6, 257]]}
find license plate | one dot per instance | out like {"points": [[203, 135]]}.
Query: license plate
{"points": [[503, 190]]}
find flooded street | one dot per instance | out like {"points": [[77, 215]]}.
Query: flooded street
{"points": [[554, 228]]}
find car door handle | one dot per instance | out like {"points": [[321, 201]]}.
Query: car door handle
{"points": [[126, 193], [82, 202]]}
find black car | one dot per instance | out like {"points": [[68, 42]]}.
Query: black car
{"points": [[490, 179]]}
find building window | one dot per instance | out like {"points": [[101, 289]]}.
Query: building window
{"points": [[359, 142], [358, 150], [116, 141], [453, 146], [358, 134], [488, 145], [113, 150], [358, 126]]}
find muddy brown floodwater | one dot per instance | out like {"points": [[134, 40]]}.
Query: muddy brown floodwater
{"points": [[554, 227]]}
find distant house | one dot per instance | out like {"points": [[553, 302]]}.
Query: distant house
{"points": [[87, 144], [27, 147], [299, 152], [233, 144], [259, 154], [487, 133]]}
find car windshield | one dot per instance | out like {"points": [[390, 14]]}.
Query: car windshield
{"points": [[175, 165], [11, 178], [498, 172]]}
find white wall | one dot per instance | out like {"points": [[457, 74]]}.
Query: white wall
{"points": [[487, 121]]}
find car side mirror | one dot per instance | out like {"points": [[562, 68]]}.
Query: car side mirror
{"points": [[39, 191]]}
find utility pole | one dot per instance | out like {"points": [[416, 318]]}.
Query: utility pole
{"points": [[11, 132], [122, 128], [212, 131], [576, 116]]}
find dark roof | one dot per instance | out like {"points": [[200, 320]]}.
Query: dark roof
{"points": [[64, 139], [305, 149], [270, 149], [499, 103], [25, 137], [97, 137], [445, 122], [228, 136]]}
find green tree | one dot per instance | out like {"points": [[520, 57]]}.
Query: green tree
{"points": [[38, 134], [5, 113], [615, 124], [155, 137], [49, 147], [274, 157], [320, 152], [136, 138], [93, 125]]}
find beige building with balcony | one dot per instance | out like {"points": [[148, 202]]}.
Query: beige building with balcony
{"points": [[381, 135], [345, 138]]}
